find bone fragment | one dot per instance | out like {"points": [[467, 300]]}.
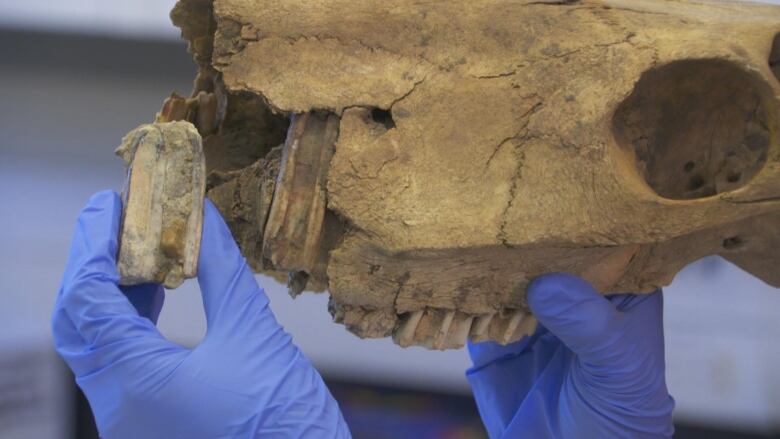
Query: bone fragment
{"points": [[163, 204], [243, 197]]}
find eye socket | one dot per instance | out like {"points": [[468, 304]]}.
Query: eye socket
{"points": [[696, 128]]}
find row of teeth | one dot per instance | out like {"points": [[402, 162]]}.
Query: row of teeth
{"points": [[447, 329]]}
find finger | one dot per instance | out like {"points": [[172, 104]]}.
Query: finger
{"points": [[573, 311], [488, 352], [642, 332], [67, 339], [85, 359], [148, 299], [89, 294], [628, 384], [94, 243], [231, 295]]}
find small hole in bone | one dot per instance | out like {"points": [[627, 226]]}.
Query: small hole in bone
{"points": [[732, 242], [383, 117], [734, 177], [711, 110], [695, 183]]}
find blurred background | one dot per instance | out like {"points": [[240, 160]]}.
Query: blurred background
{"points": [[76, 76]]}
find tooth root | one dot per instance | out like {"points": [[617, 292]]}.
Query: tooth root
{"points": [[511, 327], [526, 327], [479, 330], [405, 334], [440, 341], [429, 325], [459, 331], [513, 322]]}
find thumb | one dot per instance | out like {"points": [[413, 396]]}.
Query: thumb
{"points": [[618, 368], [91, 313], [147, 299], [573, 311], [231, 295]]}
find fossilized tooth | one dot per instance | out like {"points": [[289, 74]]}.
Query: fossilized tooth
{"points": [[293, 232], [614, 139], [163, 204]]}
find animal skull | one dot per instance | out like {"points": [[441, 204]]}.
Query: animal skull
{"points": [[440, 155]]}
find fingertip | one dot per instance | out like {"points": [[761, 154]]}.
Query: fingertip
{"points": [[224, 277], [95, 239], [220, 260], [104, 198], [214, 227], [217, 245], [212, 216], [99, 219]]}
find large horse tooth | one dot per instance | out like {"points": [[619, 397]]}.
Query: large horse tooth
{"points": [[163, 204]]}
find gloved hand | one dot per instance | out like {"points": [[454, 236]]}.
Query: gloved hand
{"points": [[246, 379], [593, 369]]}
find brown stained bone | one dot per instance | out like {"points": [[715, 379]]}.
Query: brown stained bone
{"points": [[244, 200], [360, 320], [293, 233], [618, 140], [163, 204], [247, 132]]}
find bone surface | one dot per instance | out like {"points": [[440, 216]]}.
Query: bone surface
{"points": [[163, 204], [479, 144]]}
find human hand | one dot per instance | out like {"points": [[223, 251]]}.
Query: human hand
{"points": [[593, 369], [245, 379]]}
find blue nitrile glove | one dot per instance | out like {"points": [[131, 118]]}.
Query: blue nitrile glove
{"points": [[246, 379], [593, 369]]}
